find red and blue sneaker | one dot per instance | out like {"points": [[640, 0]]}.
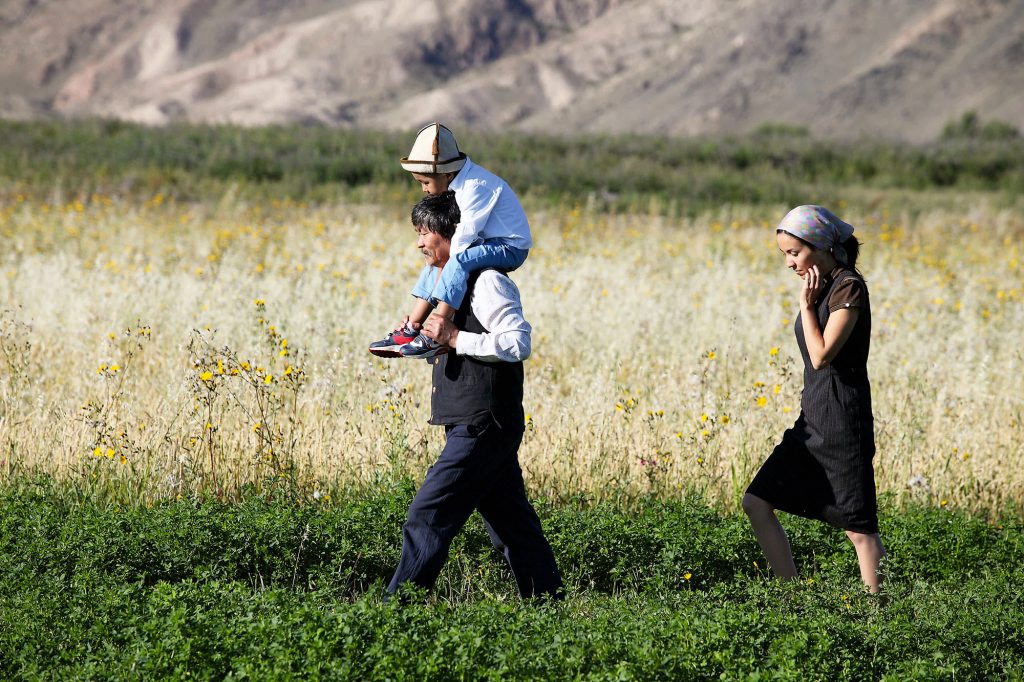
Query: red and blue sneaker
{"points": [[389, 346], [422, 347]]}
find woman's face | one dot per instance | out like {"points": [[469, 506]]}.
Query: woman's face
{"points": [[800, 255]]}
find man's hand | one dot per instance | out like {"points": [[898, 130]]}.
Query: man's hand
{"points": [[441, 330]]}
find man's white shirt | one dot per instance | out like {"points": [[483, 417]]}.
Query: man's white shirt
{"points": [[495, 302]]}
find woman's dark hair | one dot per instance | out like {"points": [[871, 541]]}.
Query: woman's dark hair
{"points": [[851, 246], [439, 214]]}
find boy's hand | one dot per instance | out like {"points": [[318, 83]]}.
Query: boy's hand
{"points": [[441, 330]]}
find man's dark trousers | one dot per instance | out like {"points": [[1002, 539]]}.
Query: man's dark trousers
{"points": [[478, 469]]}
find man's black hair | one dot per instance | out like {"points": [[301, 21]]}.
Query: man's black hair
{"points": [[439, 214]]}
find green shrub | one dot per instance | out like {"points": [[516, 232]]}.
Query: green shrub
{"points": [[969, 126], [776, 164]]}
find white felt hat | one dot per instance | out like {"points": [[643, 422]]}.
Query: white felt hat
{"points": [[434, 151]]}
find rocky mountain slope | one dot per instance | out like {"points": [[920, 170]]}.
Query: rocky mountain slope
{"points": [[842, 68]]}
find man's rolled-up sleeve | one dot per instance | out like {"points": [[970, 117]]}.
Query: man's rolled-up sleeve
{"points": [[496, 304]]}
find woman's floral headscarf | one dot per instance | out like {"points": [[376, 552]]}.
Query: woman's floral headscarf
{"points": [[819, 227]]}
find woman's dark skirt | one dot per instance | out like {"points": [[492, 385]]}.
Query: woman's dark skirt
{"points": [[839, 490]]}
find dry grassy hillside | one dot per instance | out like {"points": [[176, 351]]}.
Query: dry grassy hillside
{"points": [[842, 68]]}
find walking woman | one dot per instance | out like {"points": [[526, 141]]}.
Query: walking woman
{"points": [[822, 468]]}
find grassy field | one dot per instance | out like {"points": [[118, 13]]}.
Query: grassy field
{"points": [[204, 472], [158, 349], [671, 590]]}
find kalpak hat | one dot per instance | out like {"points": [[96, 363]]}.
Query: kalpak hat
{"points": [[434, 151]]}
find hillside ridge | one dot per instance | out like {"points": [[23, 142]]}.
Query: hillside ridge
{"points": [[842, 69]]}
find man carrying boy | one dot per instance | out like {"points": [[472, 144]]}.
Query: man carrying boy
{"points": [[493, 233], [477, 396]]}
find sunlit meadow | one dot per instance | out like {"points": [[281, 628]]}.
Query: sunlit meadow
{"points": [[156, 349]]}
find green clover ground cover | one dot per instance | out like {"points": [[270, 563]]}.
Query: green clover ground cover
{"points": [[271, 589]]}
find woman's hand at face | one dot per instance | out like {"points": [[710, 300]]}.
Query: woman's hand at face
{"points": [[813, 284]]}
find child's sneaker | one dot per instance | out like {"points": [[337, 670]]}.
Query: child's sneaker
{"points": [[422, 347], [389, 346]]}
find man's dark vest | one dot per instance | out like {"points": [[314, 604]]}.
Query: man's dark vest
{"points": [[470, 391]]}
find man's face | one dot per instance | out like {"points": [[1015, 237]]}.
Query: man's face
{"points": [[434, 247], [435, 183]]}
